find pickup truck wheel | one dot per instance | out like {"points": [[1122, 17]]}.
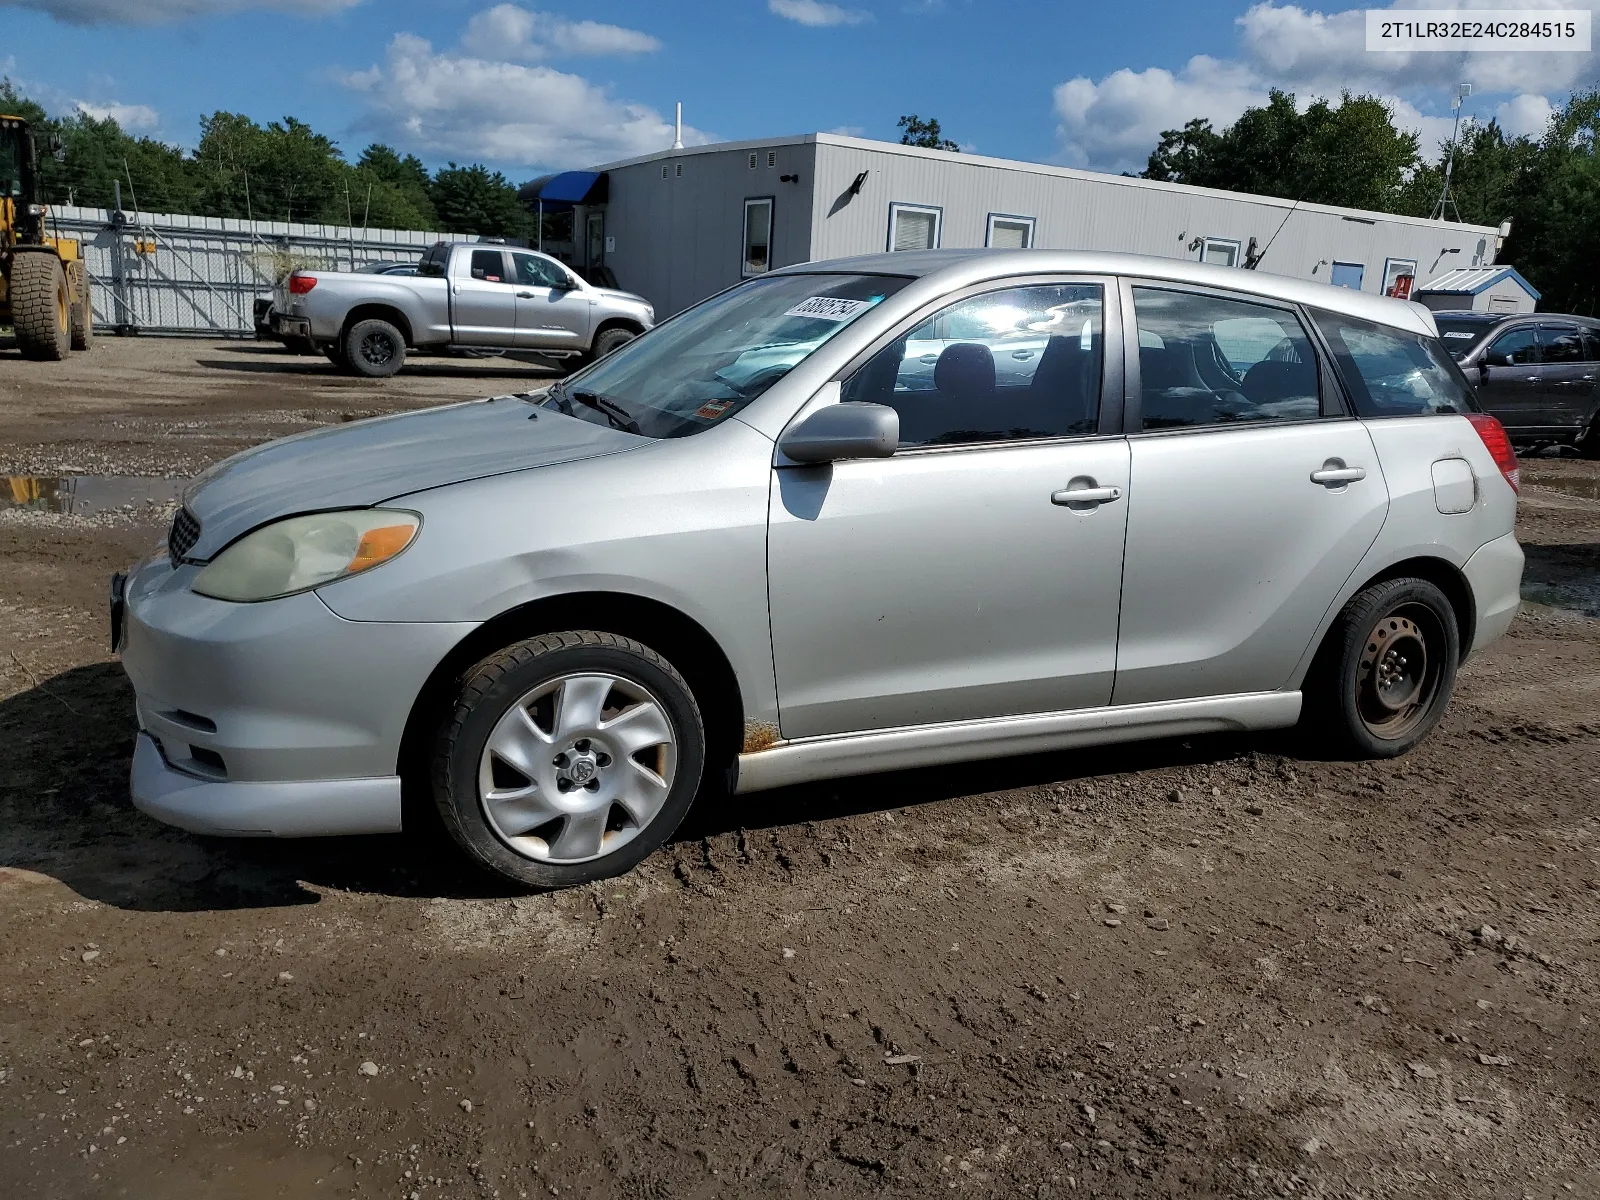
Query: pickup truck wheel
{"points": [[568, 757], [609, 340], [374, 348], [1386, 671]]}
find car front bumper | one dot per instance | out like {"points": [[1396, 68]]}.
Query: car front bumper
{"points": [[278, 718]]}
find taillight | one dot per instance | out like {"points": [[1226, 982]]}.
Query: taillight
{"points": [[1499, 446], [299, 285]]}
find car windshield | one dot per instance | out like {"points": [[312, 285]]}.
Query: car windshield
{"points": [[1461, 337], [709, 362]]}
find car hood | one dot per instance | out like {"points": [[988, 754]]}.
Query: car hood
{"points": [[614, 294], [368, 462]]}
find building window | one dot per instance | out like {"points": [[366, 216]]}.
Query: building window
{"points": [[752, 161], [1009, 233], [663, 170], [1220, 252], [1347, 275], [1396, 269], [914, 226], [680, 171], [772, 158], [757, 236]]}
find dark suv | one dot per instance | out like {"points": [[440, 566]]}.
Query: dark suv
{"points": [[1537, 372]]}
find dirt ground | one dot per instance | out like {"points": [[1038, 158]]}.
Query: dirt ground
{"points": [[1204, 968]]}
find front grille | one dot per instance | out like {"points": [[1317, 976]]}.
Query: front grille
{"points": [[185, 532]]}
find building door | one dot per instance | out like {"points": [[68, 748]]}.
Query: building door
{"points": [[1511, 381], [595, 240], [483, 299], [1244, 516], [958, 579], [1568, 373]]}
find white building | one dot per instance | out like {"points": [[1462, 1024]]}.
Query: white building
{"points": [[682, 224]]}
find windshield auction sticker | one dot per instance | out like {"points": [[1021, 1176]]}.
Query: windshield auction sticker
{"points": [[829, 308], [1499, 29]]}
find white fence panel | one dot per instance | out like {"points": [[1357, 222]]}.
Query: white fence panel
{"points": [[174, 273]]}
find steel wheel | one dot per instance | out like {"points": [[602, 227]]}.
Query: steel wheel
{"points": [[577, 767]]}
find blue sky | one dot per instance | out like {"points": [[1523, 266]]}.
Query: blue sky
{"points": [[556, 83]]}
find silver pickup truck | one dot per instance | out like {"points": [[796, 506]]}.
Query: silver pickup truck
{"points": [[464, 296]]}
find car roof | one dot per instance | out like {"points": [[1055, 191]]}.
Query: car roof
{"points": [[960, 268]]}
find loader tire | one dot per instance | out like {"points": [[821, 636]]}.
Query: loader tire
{"points": [[82, 307], [40, 306]]}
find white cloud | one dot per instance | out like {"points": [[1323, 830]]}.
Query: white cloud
{"points": [[155, 12], [508, 32], [1525, 116], [467, 107], [132, 117], [815, 13], [1115, 122]]}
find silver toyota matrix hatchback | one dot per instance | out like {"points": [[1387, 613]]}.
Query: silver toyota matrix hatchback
{"points": [[855, 516]]}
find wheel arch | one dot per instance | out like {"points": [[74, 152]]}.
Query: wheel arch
{"points": [[682, 640], [1440, 572], [628, 323], [378, 311]]}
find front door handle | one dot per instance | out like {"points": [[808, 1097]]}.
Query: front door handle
{"points": [[1086, 495], [1331, 476], [526, 296]]}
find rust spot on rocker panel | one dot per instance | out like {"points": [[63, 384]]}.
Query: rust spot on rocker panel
{"points": [[759, 736]]}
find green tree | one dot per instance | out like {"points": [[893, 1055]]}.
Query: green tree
{"points": [[393, 190], [1350, 154], [476, 200], [914, 131]]}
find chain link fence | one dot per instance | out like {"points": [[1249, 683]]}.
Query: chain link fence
{"points": [[177, 274]]}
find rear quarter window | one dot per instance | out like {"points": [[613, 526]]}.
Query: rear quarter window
{"points": [[1393, 372]]}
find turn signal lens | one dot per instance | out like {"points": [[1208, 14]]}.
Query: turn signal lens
{"points": [[300, 553], [1498, 444]]}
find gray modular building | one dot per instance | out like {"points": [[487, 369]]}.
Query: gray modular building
{"points": [[682, 224]]}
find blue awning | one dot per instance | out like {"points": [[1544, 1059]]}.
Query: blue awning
{"points": [[567, 189]]}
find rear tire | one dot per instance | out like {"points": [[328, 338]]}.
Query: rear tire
{"points": [[1589, 444], [82, 307], [609, 340], [568, 757], [374, 349], [41, 306], [1386, 671]]}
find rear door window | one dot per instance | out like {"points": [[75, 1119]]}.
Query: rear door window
{"points": [[1561, 344], [1393, 372], [489, 266], [1213, 360]]}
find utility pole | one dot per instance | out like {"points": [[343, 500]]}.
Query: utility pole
{"points": [[1462, 92]]}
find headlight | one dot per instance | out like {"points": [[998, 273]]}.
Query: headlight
{"points": [[306, 552]]}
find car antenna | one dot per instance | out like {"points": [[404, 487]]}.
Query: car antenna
{"points": [[1252, 261]]}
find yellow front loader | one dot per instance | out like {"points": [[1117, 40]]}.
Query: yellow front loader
{"points": [[44, 289]]}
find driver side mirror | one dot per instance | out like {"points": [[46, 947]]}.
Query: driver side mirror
{"points": [[1496, 358], [843, 431]]}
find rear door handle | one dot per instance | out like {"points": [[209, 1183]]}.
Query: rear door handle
{"points": [[1335, 476], [1086, 495]]}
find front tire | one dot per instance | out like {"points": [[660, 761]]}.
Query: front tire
{"points": [[375, 349], [41, 306], [568, 757], [609, 340], [1387, 670]]}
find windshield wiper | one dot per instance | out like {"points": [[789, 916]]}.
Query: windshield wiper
{"points": [[613, 412]]}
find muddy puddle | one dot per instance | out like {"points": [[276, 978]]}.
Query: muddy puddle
{"points": [[88, 495], [1567, 485]]}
